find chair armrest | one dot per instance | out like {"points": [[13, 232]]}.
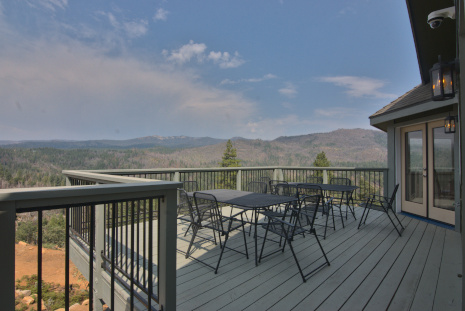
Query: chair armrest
{"points": [[276, 219]]}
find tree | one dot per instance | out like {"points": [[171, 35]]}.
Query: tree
{"points": [[228, 179], [321, 161], [229, 156]]}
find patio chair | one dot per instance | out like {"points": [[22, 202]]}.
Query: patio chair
{"points": [[287, 229], [314, 180], [273, 184], [325, 206], [184, 208], [340, 199], [190, 185], [206, 214], [383, 204], [266, 180]]}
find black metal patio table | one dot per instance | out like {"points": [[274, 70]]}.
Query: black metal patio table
{"points": [[252, 200]]}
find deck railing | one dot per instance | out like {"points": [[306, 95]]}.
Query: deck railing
{"points": [[369, 180], [104, 222]]}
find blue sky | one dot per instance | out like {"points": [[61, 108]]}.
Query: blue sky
{"points": [[94, 69]]}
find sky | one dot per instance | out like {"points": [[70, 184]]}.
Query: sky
{"points": [[259, 69]]}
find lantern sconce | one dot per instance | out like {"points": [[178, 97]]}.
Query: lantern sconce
{"points": [[442, 79], [450, 124]]}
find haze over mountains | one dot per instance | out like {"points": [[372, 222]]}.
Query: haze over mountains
{"points": [[341, 146]]}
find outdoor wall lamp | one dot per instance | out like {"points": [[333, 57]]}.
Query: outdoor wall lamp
{"points": [[449, 124], [442, 80]]}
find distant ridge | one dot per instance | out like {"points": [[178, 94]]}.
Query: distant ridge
{"points": [[174, 142]]}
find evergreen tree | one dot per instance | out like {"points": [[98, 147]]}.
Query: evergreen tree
{"points": [[228, 179], [230, 156], [321, 160]]}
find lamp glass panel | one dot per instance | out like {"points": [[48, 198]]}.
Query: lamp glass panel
{"points": [[436, 80], [447, 80]]}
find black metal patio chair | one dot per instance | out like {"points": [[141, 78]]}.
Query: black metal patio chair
{"points": [[288, 228], [266, 180], [190, 185], [383, 204], [325, 206], [342, 199], [206, 214], [253, 186], [184, 207], [273, 183]]}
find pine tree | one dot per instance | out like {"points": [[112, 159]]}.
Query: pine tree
{"points": [[229, 156], [228, 179], [321, 160]]}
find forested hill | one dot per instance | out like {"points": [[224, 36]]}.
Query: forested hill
{"points": [[39, 166]]}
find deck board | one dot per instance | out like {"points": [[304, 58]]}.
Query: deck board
{"points": [[371, 268]]}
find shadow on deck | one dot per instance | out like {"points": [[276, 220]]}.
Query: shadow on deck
{"points": [[371, 268]]}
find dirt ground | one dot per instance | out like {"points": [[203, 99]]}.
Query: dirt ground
{"points": [[53, 265]]}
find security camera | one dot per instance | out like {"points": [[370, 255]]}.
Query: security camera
{"points": [[435, 18]]}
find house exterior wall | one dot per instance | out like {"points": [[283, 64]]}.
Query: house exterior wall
{"points": [[394, 150]]}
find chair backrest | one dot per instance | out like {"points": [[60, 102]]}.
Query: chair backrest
{"points": [[340, 181], [185, 204], [314, 180], [257, 186], [266, 180], [311, 190], [393, 196], [190, 185], [310, 205], [274, 183], [206, 208]]}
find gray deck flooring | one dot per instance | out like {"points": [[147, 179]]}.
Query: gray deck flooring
{"points": [[371, 269]]}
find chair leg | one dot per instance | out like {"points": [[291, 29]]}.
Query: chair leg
{"points": [[245, 241], [361, 219], [296, 260], [194, 233], [264, 240], [222, 250], [321, 247]]}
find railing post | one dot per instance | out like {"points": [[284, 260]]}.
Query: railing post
{"points": [[68, 182], [167, 251], [239, 180], [7, 259], [278, 174], [176, 176], [386, 184], [99, 247], [325, 176]]}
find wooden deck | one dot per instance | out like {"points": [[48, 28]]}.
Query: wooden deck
{"points": [[371, 269]]}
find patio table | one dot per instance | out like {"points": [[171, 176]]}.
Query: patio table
{"points": [[252, 200]]}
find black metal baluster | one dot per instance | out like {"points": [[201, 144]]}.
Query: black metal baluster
{"points": [[91, 256], [113, 255], [67, 260], [39, 259], [132, 255], [150, 263]]}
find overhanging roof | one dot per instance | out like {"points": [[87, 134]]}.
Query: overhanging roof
{"points": [[430, 43]]}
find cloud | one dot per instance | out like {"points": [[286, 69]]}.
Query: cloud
{"points": [[288, 91], [161, 15], [136, 29], [133, 29], [198, 51], [338, 112], [360, 86], [187, 52], [49, 4], [225, 60], [72, 91], [250, 80]]}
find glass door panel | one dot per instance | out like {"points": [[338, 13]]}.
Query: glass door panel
{"points": [[441, 173], [414, 166], [413, 140]]}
